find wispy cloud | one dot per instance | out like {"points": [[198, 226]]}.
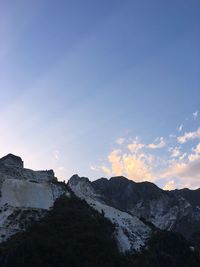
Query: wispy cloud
{"points": [[159, 143], [197, 149], [93, 168], [135, 146], [120, 141], [189, 136], [195, 114], [175, 152], [195, 155], [56, 154], [183, 156], [180, 128]]}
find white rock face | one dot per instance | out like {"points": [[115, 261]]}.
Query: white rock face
{"points": [[25, 195], [22, 193], [131, 233], [160, 213]]}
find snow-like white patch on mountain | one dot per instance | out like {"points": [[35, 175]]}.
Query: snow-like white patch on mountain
{"points": [[131, 233], [22, 193], [160, 213], [25, 195]]}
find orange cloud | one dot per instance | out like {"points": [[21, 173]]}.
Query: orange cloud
{"points": [[132, 166], [187, 173], [176, 168], [170, 185]]}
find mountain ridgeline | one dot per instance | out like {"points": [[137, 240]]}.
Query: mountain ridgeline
{"points": [[176, 210], [115, 222]]}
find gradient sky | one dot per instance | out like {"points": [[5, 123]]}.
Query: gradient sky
{"points": [[102, 88]]}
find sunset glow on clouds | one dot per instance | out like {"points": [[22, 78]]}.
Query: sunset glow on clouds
{"points": [[176, 167], [131, 165]]}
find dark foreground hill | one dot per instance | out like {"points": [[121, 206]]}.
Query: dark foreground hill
{"points": [[73, 234]]}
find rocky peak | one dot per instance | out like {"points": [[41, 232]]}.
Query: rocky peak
{"points": [[82, 187], [12, 167], [131, 233], [77, 178], [11, 160]]}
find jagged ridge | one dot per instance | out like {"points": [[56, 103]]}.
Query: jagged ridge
{"points": [[177, 210]]}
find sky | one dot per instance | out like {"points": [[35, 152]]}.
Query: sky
{"points": [[102, 88]]}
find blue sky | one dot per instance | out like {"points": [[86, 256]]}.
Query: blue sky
{"points": [[80, 81]]}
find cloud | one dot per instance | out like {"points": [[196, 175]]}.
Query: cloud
{"points": [[175, 152], [197, 149], [135, 167], [57, 154], [185, 168], [137, 161], [120, 141], [170, 185], [195, 114], [189, 136], [106, 170], [93, 168], [135, 146], [116, 163], [196, 153], [187, 173], [180, 128], [193, 157], [180, 169], [156, 145], [184, 155]]}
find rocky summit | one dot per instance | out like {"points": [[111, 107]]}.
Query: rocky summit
{"points": [[11, 160]]}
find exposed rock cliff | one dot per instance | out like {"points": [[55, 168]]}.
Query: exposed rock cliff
{"points": [[24, 194]]}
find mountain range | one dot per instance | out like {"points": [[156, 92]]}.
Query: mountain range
{"points": [[134, 217]]}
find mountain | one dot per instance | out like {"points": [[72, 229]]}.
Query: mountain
{"points": [[114, 222], [130, 232], [75, 235], [177, 210], [25, 195]]}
